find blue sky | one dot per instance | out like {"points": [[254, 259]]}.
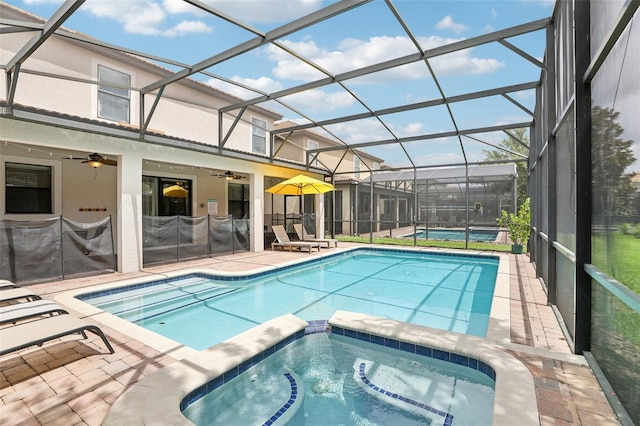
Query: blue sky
{"points": [[363, 36]]}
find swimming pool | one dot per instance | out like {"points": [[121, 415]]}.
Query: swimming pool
{"points": [[447, 291], [322, 379], [456, 234]]}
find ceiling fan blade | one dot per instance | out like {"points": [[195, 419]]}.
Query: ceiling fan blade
{"points": [[108, 162]]}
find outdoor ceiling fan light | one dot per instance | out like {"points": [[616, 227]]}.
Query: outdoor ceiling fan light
{"points": [[228, 175], [95, 160]]}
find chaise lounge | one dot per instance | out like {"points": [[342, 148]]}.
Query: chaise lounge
{"points": [[306, 237], [15, 294], [284, 241], [37, 332], [36, 308]]}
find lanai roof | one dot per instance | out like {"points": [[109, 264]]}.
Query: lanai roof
{"points": [[407, 94]]}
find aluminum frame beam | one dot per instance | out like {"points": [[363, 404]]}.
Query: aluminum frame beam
{"points": [[428, 136], [419, 56], [418, 105], [49, 28], [284, 30]]}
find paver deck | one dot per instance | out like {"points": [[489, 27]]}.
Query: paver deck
{"points": [[75, 382]]}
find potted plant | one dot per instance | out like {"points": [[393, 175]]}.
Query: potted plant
{"points": [[517, 225]]}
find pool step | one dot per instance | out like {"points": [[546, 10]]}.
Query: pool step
{"points": [[142, 290], [252, 399], [138, 308]]}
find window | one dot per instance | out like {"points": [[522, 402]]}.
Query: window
{"points": [[258, 136], [314, 156], [28, 189], [356, 166], [238, 200], [166, 196], [376, 165], [113, 100]]}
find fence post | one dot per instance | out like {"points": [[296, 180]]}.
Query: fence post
{"points": [[233, 234], [177, 238], [208, 235], [61, 246], [113, 249]]}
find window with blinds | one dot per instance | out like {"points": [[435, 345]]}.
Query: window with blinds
{"points": [[113, 98], [28, 189], [258, 136]]}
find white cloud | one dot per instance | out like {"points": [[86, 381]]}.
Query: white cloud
{"points": [[542, 3], [525, 94], [145, 17], [264, 84], [317, 100], [176, 7], [493, 13], [187, 27], [447, 23], [33, 2], [261, 11], [354, 53]]}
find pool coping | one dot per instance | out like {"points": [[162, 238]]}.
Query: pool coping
{"points": [[156, 399], [498, 331]]}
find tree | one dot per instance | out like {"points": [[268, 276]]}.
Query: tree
{"points": [[612, 156], [507, 146]]}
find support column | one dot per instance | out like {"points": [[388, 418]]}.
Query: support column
{"points": [[582, 333], [256, 212], [320, 215], [129, 213]]}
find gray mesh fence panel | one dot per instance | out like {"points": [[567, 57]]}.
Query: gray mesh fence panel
{"points": [[309, 223], [32, 250], [160, 239], [87, 247], [5, 263], [615, 343], [192, 237], [565, 290], [240, 234], [221, 234]]}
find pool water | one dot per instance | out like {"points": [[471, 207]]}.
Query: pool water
{"points": [[339, 380], [450, 292], [456, 234]]}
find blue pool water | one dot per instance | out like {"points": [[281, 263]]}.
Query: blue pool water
{"points": [[323, 379], [450, 292], [456, 234]]}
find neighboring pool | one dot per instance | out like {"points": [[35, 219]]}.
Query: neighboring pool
{"points": [[448, 291], [456, 234], [330, 379]]}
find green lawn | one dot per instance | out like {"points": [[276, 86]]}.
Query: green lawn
{"points": [[621, 259], [429, 243]]}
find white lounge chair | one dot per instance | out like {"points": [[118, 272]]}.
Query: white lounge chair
{"points": [[15, 294], [7, 284], [302, 235], [284, 241], [37, 332], [37, 308]]}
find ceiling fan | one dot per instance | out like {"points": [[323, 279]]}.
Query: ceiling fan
{"points": [[95, 160], [229, 175]]}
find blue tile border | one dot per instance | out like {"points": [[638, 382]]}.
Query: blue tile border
{"points": [[425, 351], [90, 295], [314, 327], [448, 418], [288, 404], [323, 326]]}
